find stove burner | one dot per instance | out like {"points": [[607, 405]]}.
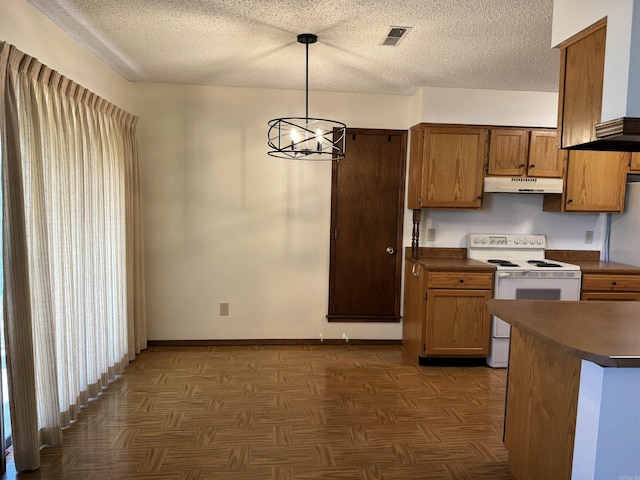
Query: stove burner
{"points": [[503, 263], [542, 263]]}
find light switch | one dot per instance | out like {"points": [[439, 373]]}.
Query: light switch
{"points": [[588, 236]]}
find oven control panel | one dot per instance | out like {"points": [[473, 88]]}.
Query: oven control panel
{"points": [[485, 240]]}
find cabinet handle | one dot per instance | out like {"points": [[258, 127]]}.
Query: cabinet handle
{"points": [[570, 200], [614, 283], [461, 281], [531, 166], [521, 165], [479, 197]]}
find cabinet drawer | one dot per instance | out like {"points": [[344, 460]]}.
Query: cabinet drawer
{"points": [[621, 296], [610, 283], [462, 280]]}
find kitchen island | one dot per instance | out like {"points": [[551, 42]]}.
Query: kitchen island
{"points": [[573, 389]]}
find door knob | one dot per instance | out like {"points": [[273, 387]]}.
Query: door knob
{"points": [[390, 250]]}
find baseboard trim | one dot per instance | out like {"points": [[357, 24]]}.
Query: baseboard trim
{"points": [[266, 342], [452, 361]]}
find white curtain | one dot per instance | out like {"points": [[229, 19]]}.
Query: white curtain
{"points": [[74, 289]]}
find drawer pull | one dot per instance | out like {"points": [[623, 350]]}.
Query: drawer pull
{"points": [[614, 283], [461, 280]]}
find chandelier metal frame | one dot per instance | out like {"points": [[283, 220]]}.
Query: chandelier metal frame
{"points": [[305, 138]]}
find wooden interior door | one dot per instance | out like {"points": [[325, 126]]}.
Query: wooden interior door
{"points": [[367, 207]]}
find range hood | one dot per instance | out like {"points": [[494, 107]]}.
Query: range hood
{"points": [[522, 185]]}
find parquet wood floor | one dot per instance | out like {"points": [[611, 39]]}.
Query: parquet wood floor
{"points": [[286, 413]]}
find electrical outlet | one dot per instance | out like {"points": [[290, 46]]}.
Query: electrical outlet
{"points": [[431, 234], [224, 309], [588, 236]]}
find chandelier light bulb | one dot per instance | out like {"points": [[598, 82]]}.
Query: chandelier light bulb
{"points": [[318, 140]]}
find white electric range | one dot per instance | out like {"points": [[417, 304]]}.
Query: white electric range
{"points": [[522, 273]]}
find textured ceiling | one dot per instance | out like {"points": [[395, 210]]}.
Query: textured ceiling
{"points": [[487, 44]]}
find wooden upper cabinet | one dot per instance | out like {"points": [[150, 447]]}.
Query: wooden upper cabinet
{"points": [[519, 153], [545, 160], [453, 173], [595, 182], [508, 151], [581, 80], [634, 163], [449, 163], [416, 161]]}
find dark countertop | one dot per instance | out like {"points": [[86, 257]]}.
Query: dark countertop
{"points": [[610, 268], [462, 264], [604, 332], [434, 259], [589, 262], [455, 259]]}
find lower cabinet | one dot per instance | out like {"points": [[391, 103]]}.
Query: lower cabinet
{"points": [[445, 313], [457, 323], [596, 286], [414, 309]]}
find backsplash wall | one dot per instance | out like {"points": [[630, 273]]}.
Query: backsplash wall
{"points": [[512, 213]]}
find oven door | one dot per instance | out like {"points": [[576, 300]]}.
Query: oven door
{"points": [[534, 285]]}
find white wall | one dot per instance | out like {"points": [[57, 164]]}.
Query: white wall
{"points": [[514, 213], [224, 222], [26, 28], [489, 107]]}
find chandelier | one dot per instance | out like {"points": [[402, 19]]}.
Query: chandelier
{"points": [[304, 138]]}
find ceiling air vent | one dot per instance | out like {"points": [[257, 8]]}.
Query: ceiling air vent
{"points": [[394, 35]]}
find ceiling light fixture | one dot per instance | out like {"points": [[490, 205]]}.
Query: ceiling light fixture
{"points": [[304, 138]]}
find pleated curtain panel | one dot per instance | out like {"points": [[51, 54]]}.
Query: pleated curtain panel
{"points": [[74, 306]]}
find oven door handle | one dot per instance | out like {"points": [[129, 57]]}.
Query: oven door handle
{"points": [[503, 274]]}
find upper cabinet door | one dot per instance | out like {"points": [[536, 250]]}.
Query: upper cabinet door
{"points": [[519, 153], [634, 164], [416, 161], [596, 181], [508, 152], [545, 160], [581, 80], [453, 170]]}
